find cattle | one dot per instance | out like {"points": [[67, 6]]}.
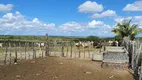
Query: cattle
{"points": [[100, 44], [85, 44], [116, 43], [89, 43], [113, 43], [1, 45], [95, 43], [120, 43], [40, 44], [79, 44]]}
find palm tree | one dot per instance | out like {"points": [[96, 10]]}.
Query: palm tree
{"points": [[125, 29]]}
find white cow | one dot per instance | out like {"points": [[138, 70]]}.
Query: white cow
{"points": [[40, 44], [116, 43], [91, 42], [110, 42], [113, 43], [85, 44], [78, 44], [1, 45]]}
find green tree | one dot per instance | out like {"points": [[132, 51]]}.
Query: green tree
{"points": [[125, 29], [92, 38], [11, 37]]}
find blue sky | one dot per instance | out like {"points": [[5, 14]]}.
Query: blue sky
{"points": [[66, 17]]}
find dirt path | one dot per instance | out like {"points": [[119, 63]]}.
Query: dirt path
{"points": [[55, 68]]}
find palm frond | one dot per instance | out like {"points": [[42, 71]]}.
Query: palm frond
{"points": [[125, 29]]}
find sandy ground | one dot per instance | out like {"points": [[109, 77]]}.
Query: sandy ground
{"points": [[59, 68]]}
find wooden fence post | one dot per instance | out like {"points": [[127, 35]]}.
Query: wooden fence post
{"points": [[10, 52], [140, 75], [75, 51], [6, 50], [92, 49], [39, 51], [28, 50], [88, 50], [104, 45], [130, 51], [133, 54], [15, 60], [34, 51], [67, 49], [25, 49], [55, 47], [43, 49], [46, 46], [100, 47], [71, 49], [79, 51], [62, 53], [20, 49], [84, 49]]}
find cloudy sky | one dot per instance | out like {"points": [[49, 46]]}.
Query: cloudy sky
{"points": [[66, 17]]}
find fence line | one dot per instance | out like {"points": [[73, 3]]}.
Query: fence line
{"points": [[15, 51], [134, 49]]}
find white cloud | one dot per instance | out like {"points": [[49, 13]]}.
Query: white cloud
{"points": [[93, 27], [17, 24], [136, 6], [100, 28], [107, 13], [95, 24], [135, 20], [12, 23], [72, 27], [90, 7], [5, 8], [98, 24], [80, 27], [120, 19]]}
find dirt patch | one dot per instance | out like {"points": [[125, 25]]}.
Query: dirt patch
{"points": [[58, 68]]}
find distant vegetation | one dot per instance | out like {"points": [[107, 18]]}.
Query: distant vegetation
{"points": [[58, 38], [21, 38]]}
